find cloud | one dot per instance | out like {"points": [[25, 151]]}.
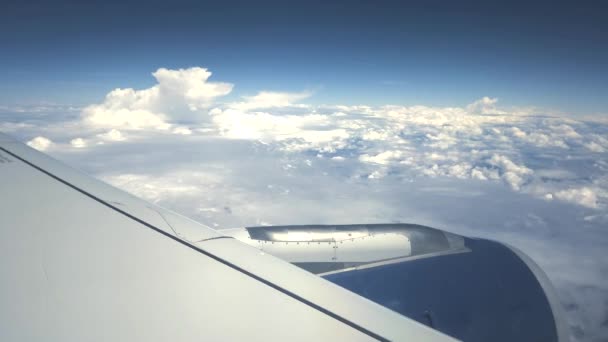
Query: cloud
{"points": [[463, 143], [113, 113], [597, 143], [383, 158], [189, 86], [595, 147], [584, 196], [156, 189], [479, 141], [485, 105], [40, 143], [548, 135], [180, 95], [269, 99], [78, 143], [112, 135], [512, 173], [182, 130], [309, 130]]}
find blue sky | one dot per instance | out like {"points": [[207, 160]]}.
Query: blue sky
{"points": [[435, 53]]}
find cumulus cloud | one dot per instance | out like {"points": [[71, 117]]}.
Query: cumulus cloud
{"points": [[112, 135], [595, 147], [180, 95], [269, 99], [182, 130], [485, 105], [584, 196], [109, 115], [383, 158], [597, 143], [190, 86], [548, 135], [40, 143], [512, 173], [78, 143], [479, 141]]}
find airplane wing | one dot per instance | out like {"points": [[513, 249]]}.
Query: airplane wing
{"points": [[83, 261]]}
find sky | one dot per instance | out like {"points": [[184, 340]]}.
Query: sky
{"points": [[482, 119], [392, 52]]}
